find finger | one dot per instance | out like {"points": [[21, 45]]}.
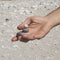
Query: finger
{"points": [[28, 35], [14, 38], [21, 26], [19, 37]]}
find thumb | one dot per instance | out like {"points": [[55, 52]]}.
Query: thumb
{"points": [[21, 26]]}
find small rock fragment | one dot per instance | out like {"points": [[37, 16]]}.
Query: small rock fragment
{"points": [[7, 19]]}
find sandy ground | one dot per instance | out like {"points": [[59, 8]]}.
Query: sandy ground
{"points": [[12, 13]]}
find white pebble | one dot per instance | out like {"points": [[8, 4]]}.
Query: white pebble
{"points": [[4, 23], [3, 46], [36, 43], [20, 55], [26, 25], [15, 46], [48, 57], [56, 51]]}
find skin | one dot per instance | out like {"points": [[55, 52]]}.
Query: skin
{"points": [[39, 26]]}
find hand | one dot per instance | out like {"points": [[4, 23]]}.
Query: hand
{"points": [[38, 28]]}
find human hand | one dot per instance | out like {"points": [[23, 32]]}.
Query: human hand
{"points": [[38, 28]]}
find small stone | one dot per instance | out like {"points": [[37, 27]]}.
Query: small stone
{"points": [[3, 46], [8, 7], [36, 43], [15, 46], [56, 51], [44, 6], [30, 11], [15, 10], [7, 19], [2, 31], [48, 9], [26, 25], [18, 34], [25, 30], [29, 56], [2, 56], [4, 23], [48, 57], [51, 2], [20, 55]]}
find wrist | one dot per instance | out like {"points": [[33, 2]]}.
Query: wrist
{"points": [[54, 17], [52, 21]]}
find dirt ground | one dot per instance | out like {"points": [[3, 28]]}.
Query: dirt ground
{"points": [[12, 13]]}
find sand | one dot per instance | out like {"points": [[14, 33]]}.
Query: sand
{"points": [[12, 13]]}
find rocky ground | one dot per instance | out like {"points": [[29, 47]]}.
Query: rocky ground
{"points": [[12, 13]]}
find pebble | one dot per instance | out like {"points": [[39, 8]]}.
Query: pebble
{"points": [[48, 57], [56, 51], [25, 30], [4, 23], [7, 19], [15, 46], [3, 46], [18, 34], [20, 55], [36, 43]]}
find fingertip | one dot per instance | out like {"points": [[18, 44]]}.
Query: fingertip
{"points": [[14, 39], [19, 27]]}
